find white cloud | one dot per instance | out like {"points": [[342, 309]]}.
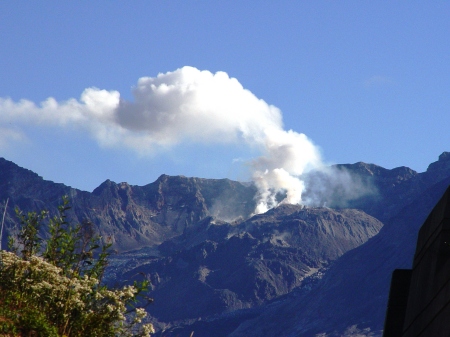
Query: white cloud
{"points": [[196, 106], [10, 135], [186, 105]]}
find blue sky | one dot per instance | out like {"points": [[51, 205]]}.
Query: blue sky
{"points": [[363, 80]]}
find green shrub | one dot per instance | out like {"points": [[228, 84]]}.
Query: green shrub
{"points": [[53, 287]]}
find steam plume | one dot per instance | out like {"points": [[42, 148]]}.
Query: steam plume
{"points": [[186, 105]]}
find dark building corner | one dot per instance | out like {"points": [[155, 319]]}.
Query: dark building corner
{"points": [[398, 299], [419, 299]]}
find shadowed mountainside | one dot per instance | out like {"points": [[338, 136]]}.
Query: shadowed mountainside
{"points": [[354, 290], [247, 264], [131, 216], [350, 299]]}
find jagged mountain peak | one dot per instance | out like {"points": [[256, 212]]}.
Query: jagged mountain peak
{"points": [[373, 170], [107, 184], [27, 188], [443, 163], [9, 168], [444, 156], [364, 168]]}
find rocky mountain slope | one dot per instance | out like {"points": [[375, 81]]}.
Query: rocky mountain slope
{"points": [[247, 264], [131, 216], [350, 300], [219, 271]]}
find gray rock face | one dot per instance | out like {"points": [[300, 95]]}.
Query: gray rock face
{"points": [[131, 216], [249, 263]]}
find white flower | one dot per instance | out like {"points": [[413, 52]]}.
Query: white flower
{"points": [[140, 314], [147, 329]]}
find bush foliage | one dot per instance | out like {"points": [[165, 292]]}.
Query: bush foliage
{"points": [[53, 287]]}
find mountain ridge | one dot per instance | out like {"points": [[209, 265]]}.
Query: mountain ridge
{"points": [[183, 231]]}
